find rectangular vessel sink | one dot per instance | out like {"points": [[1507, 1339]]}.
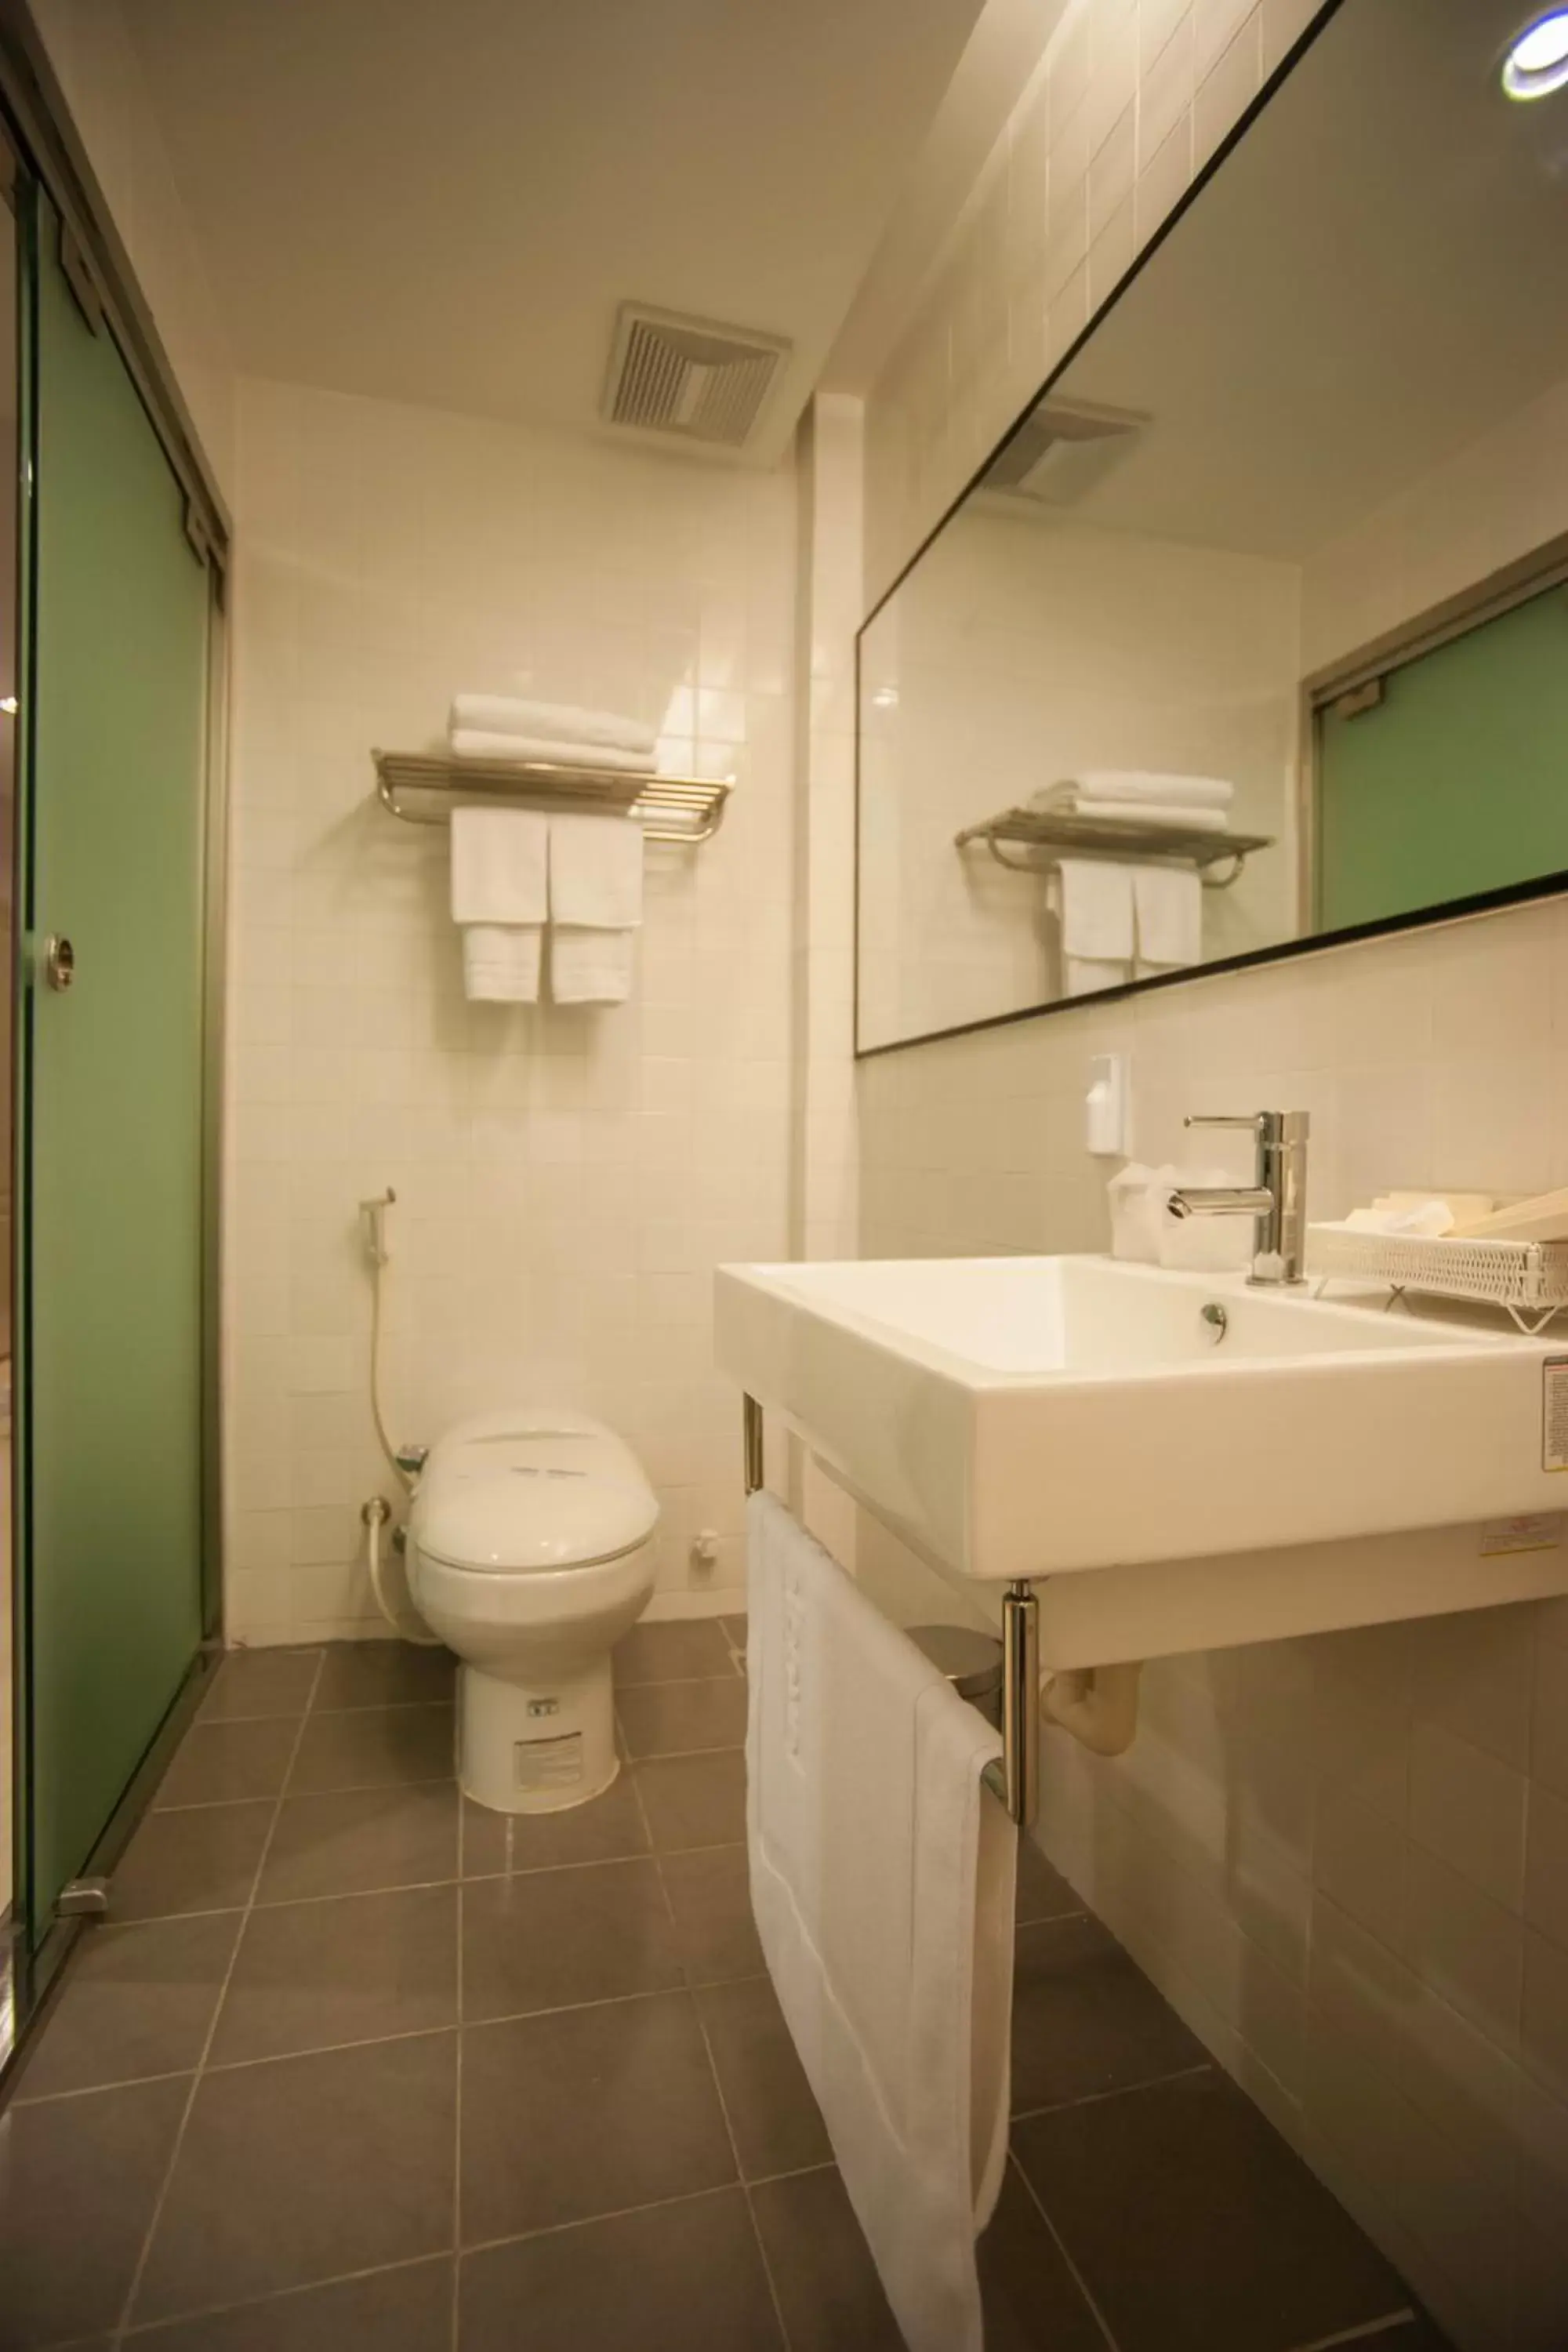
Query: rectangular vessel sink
{"points": [[1043, 1417]]}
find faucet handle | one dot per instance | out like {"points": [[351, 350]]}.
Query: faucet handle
{"points": [[1251, 1122]]}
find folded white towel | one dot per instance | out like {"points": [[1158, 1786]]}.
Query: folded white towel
{"points": [[554, 722], [1096, 901], [500, 962], [1168, 907], [471, 743], [1147, 785], [596, 870], [500, 896], [589, 966], [1133, 813], [882, 1880], [499, 864], [1087, 975]]}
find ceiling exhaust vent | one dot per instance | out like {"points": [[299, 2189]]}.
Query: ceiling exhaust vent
{"points": [[1063, 450], [688, 376]]}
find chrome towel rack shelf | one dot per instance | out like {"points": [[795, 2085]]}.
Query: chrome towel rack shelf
{"points": [[1079, 837], [1014, 1780], [686, 809]]}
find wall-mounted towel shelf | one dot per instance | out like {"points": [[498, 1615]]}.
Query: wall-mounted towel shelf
{"points": [[686, 809], [1078, 836]]}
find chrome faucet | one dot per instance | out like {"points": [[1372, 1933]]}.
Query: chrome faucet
{"points": [[1276, 1197]]}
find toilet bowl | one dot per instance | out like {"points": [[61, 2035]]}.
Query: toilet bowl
{"points": [[530, 1553]]}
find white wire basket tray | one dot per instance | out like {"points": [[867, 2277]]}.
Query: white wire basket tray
{"points": [[1529, 1278]]}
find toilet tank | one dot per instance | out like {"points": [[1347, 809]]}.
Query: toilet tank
{"points": [[508, 1493]]}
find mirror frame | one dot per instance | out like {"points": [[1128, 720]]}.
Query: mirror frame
{"points": [[1422, 632]]}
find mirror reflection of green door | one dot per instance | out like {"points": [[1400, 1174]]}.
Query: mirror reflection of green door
{"points": [[1455, 781], [109, 1344]]}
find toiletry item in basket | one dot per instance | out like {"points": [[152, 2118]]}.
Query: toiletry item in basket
{"points": [[1426, 1217], [1544, 1218]]}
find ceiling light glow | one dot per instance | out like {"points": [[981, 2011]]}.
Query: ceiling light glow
{"points": [[1537, 60]]}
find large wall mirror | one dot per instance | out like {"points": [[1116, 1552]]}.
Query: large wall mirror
{"points": [[1254, 633]]}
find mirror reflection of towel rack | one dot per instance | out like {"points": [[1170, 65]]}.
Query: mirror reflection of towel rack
{"points": [[1078, 836], [684, 809], [1014, 1778]]}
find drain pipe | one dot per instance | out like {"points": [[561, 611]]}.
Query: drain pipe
{"points": [[1098, 1705]]}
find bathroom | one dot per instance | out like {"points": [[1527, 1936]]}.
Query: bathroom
{"points": [[1290, 1977]]}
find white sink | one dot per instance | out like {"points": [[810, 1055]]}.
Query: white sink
{"points": [[1042, 1418]]}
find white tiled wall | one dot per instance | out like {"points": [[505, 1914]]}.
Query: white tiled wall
{"points": [[566, 1179], [1346, 1860]]}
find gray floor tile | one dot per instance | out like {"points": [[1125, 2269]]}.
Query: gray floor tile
{"points": [[776, 2119], [252, 1683], [680, 1718], [222, 1763], [357, 1840], [676, 1652], [309, 1975], [1031, 2301], [1085, 2019], [405, 2310], [587, 2112], [1416, 2335], [373, 1748], [606, 1829], [305, 2170], [79, 2184], [553, 1937], [827, 2286], [1043, 1893], [667, 2280], [137, 2001], [694, 1800], [1239, 2248], [710, 1893], [383, 1674], [204, 1860]]}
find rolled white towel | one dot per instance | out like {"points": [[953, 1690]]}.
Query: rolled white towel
{"points": [[1143, 787], [549, 722], [1131, 812], [471, 743], [1155, 784]]}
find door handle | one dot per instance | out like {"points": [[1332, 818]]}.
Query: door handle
{"points": [[59, 960]]}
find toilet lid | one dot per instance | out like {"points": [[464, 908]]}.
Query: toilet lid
{"points": [[515, 1494]]}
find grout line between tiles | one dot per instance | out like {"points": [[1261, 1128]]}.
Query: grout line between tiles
{"points": [[457, 2133], [1074, 2273], [279, 2294], [118, 2332], [718, 2085], [1405, 2317], [1120, 2091]]}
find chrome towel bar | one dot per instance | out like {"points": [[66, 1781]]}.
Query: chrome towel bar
{"points": [[1014, 1778]]}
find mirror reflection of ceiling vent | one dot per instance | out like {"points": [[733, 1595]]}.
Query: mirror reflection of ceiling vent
{"points": [[688, 376], [1063, 450]]}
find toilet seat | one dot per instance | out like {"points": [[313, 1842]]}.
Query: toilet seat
{"points": [[521, 1494]]}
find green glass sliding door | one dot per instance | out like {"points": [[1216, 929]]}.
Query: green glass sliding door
{"points": [[1451, 783], [115, 719]]}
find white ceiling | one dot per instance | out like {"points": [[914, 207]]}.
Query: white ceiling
{"points": [[447, 203]]}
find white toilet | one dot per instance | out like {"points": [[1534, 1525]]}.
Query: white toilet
{"points": [[529, 1554]]}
